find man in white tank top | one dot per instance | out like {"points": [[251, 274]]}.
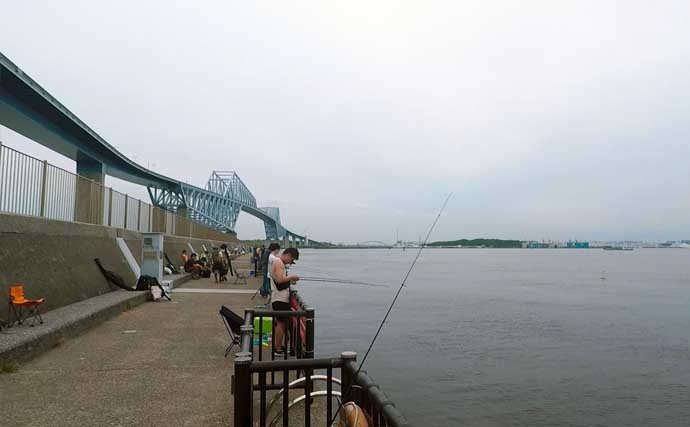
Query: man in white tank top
{"points": [[280, 291], [267, 262]]}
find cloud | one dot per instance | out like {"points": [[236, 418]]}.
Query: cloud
{"points": [[544, 118]]}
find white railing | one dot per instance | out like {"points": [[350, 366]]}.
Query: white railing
{"points": [[33, 187]]}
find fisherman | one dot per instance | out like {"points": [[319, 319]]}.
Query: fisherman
{"points": [[262, 251], [280, 292], [220, 266], [224, 247], [266, 263]]}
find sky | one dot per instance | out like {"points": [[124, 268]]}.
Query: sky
{"points": [[546, 120]]}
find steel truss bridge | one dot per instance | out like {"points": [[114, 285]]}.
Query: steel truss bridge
{"points": [[31, 111]]}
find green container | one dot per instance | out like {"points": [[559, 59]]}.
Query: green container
{"points": [[267, 325]]}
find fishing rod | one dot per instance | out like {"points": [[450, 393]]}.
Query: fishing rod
{"points": [[310, 270], [390, 308], [343, 281]]}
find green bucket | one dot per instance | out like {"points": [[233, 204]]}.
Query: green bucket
{"points": [[267, 326]]}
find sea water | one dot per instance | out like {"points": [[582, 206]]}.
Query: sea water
{"points": [[510, 337]]}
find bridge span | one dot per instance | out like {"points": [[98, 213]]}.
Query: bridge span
{"points": [[28, 109]]}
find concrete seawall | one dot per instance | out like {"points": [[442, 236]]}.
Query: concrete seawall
{"points": [[54, 259]]}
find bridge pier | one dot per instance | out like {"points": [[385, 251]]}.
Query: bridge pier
{"points": [[90, 192]]}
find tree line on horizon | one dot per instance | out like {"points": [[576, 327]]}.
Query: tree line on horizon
{"points": [[487, 243]]}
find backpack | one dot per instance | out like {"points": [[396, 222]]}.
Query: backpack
{"points": [[150, 283], [217, 258], [144, 283]]}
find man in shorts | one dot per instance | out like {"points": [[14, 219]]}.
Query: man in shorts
{"points": [[280, 291]]}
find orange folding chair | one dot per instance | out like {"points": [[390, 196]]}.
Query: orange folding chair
{"points": [[23, 308]]}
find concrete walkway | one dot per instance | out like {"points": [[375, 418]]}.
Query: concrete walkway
{"points": [[22, 342], [157, 364]]}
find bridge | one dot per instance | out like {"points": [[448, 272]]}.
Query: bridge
{"points": [[374, 243], [31, 111]]}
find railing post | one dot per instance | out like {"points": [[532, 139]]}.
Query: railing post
{"points": [[2, 184], [309, 351], [242, 389], [101, 204], [110, 207], [348, 373], [44, 181], [247, 332], [91, 213], [308, 354], [126, 200]]}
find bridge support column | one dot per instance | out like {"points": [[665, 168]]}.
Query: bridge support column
{"points": [[90, 191], [286, 241]]}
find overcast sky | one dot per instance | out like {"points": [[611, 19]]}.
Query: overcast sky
{"points": [[547, 119]]}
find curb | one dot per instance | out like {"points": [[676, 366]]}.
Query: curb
{"points": [[26, 348]]}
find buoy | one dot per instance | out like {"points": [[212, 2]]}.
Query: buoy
{"points": [[354, 416]]}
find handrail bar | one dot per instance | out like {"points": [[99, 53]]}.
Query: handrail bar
{"points": [[378, 398], [264, 312], [280, 365]]}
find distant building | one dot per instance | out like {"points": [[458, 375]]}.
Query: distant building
{"points": [[573, 244]]}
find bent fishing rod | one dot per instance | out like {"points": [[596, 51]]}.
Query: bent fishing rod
{"points": [[390, 308]]}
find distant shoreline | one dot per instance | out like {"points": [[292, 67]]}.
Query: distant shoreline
{"points": [[601, 248]]}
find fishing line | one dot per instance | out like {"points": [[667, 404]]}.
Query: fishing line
{"points": [[388, 312], [329, 277], [344, 281], [311, 270]]}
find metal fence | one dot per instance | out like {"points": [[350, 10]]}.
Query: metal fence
{"points": [[33, 187], [301, 374]]}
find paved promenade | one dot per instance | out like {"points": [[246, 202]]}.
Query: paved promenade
{"points": [[157, 364]]}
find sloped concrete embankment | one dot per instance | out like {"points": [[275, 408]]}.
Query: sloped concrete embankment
{"points": [[54, 260]]}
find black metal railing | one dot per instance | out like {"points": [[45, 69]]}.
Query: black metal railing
{"points": [[369, 396], [380, 410], [298, 337], [302, 373]]}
